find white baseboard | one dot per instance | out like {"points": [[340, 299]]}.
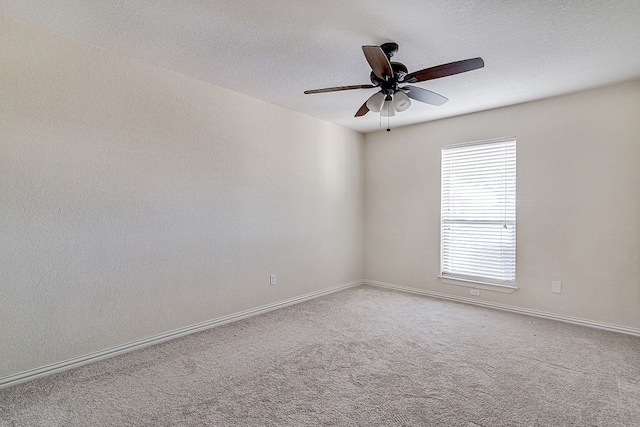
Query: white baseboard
{"points": [[513, 309], [156, 339]]}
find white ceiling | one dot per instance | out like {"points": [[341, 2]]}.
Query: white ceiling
{"points": [[274, 50]]}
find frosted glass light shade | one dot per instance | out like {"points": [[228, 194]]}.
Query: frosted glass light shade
{"points": [[401, 101], [388, 109], [374, 103]]}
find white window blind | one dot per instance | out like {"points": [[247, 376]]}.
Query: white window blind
{"points": [[478, 227]]}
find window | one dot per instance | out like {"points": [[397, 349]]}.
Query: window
{"points": [[478, 222]]}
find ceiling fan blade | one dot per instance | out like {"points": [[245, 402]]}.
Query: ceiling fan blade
{"points": [[362, 111], [444, 70], [379, 62], [339, 88], [425, 96]]}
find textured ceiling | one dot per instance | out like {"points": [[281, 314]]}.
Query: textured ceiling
{"points": [[274, 50]]}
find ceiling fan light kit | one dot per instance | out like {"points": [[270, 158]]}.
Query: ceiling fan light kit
{"points": [[401, 101], [387, 76], [388, 110], [374, 103]]}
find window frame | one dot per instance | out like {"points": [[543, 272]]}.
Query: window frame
{"points": [[506, 258]]}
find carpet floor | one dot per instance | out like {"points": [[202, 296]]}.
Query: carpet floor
{"points": [[361, 357]]}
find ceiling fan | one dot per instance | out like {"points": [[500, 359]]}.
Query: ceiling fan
{"points": [[388, 76]]}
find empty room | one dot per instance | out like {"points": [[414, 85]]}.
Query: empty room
{"points": [[382, 213]]}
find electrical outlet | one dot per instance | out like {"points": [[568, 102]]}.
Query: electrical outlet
{"points": [[556, 286], [272, 279], [475, 292]]}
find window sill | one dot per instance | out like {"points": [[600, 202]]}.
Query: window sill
{"points": [[505, 289]]}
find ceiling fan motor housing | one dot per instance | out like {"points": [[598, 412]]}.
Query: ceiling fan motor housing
{"points": [[390, 86]]}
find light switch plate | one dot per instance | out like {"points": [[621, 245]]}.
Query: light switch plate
{"points": [[556, 286]]}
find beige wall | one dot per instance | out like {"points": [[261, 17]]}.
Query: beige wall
{"points": [[578, 190], [135, 201]]}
